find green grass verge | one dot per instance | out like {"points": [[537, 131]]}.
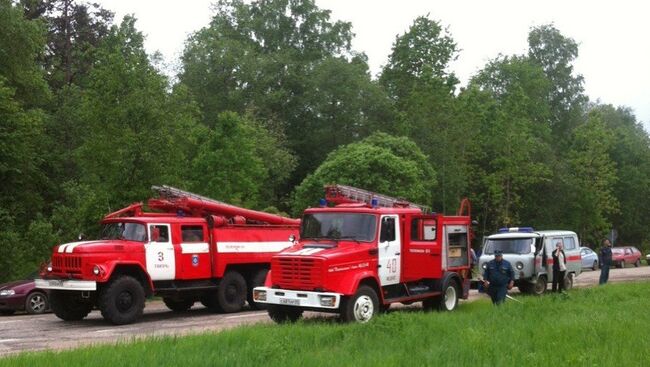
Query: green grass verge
{"points": [[601, 326]]}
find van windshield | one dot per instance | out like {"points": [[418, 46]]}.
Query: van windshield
{"points": [[509, 245]]}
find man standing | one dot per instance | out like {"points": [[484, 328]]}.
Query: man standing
{"points": [[498, 278], [559, 268], [605, 261]]}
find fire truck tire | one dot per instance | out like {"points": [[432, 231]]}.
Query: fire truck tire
{"points": [[284, 314], [361, 307], [36, 303], [231, 293], [256, 281], [178, 305], [122, 301], [69, 306], [539, 287], [448, 301]]}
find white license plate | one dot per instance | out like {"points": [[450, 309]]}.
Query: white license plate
{"points": [[55, 283], [288, 301]]}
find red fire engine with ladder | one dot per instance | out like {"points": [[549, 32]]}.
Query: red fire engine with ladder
{"points": [[367, 252], [190, 249]]}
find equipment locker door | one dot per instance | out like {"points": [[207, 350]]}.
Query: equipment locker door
{"points": [[390, 247]]}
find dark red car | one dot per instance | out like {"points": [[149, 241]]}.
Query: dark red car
{"points": [[626, 255], [22, 295]]}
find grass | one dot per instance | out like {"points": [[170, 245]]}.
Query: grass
{"points": [[602, 326]]}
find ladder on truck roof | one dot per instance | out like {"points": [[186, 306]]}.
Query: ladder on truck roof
{"points": [[342, 194], [168, 192]]}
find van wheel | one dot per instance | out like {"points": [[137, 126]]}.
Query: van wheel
{"points": [[595, 266], [540, 285], [231, 293], [361, 307], [257, 281], [568, 282], [449, 298]]}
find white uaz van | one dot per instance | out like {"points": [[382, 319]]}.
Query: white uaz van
{"points": [[530, 254]]}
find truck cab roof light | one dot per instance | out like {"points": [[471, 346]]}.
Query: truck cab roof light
{"points": [[516, 229]]}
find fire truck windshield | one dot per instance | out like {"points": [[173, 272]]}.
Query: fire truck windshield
{"points": [[509, 245], [338, 226], [124, 231]]}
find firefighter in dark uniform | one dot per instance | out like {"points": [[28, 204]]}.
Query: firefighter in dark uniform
{"points": [[498, 277]]}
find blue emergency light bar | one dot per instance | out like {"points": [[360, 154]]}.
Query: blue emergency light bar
{"points": [[516, 229]]}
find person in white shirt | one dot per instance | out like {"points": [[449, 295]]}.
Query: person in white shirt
{"points": [[559, 267]]}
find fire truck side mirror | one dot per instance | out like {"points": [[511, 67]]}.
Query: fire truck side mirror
{"points": [[292, 238]]}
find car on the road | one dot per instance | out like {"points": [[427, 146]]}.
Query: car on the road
{"points": [[22, 295], [624, 255], [589, 258]]}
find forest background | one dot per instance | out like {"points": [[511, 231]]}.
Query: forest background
{"points": [[272, 102]]}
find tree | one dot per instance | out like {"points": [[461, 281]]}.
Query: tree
{"points": [[381, 163], [555, 53], [593, 175], [286, 64]]}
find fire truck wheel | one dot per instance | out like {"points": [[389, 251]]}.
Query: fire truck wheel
{"points": [[122, 301], [178, 305], [36, 303], [283, 314], [69, 306], [361, 307], [256, 281], [449, 298], [231, 293], [540, 285]]}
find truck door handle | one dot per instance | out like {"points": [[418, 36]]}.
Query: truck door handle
{"points": [[373, 251], [397, 253]]}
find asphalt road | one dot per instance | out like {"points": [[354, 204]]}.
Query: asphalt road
{"points": [[20, 333]]}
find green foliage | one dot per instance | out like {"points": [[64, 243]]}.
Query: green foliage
{"points": [[379, 163], [540, 331]]}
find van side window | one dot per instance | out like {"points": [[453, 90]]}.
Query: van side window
{"points": [[569, 243], [192, 233]]}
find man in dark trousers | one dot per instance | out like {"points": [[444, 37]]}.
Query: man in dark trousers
{"points": [[498, 277], [559, 268], [605, 261]]}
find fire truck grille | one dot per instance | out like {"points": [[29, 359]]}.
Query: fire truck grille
{"points": [[297, 273], [66, 264]]}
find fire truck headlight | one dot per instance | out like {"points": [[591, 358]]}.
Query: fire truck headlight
{"points": [[7, 292], [328, 301], [259, 295], [96, 270], [519, 265]]}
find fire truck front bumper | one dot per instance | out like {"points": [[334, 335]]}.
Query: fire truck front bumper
{"points": [[284, 297], [66, 284]]}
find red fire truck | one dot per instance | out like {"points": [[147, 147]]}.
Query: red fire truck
{"points": [[367, 252], [191, 249]]}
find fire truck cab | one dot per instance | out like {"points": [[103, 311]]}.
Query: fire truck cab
{"points": [[192, 249], [362, 255]]}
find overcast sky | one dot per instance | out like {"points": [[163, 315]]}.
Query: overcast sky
{"points": [[614, 36]]}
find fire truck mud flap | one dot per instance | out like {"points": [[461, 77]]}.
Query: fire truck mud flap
{"points": [[305, 299]]}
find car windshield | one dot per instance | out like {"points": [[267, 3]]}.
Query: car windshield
{"points": [[124, 231], [508, 245], [337, 226]]}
